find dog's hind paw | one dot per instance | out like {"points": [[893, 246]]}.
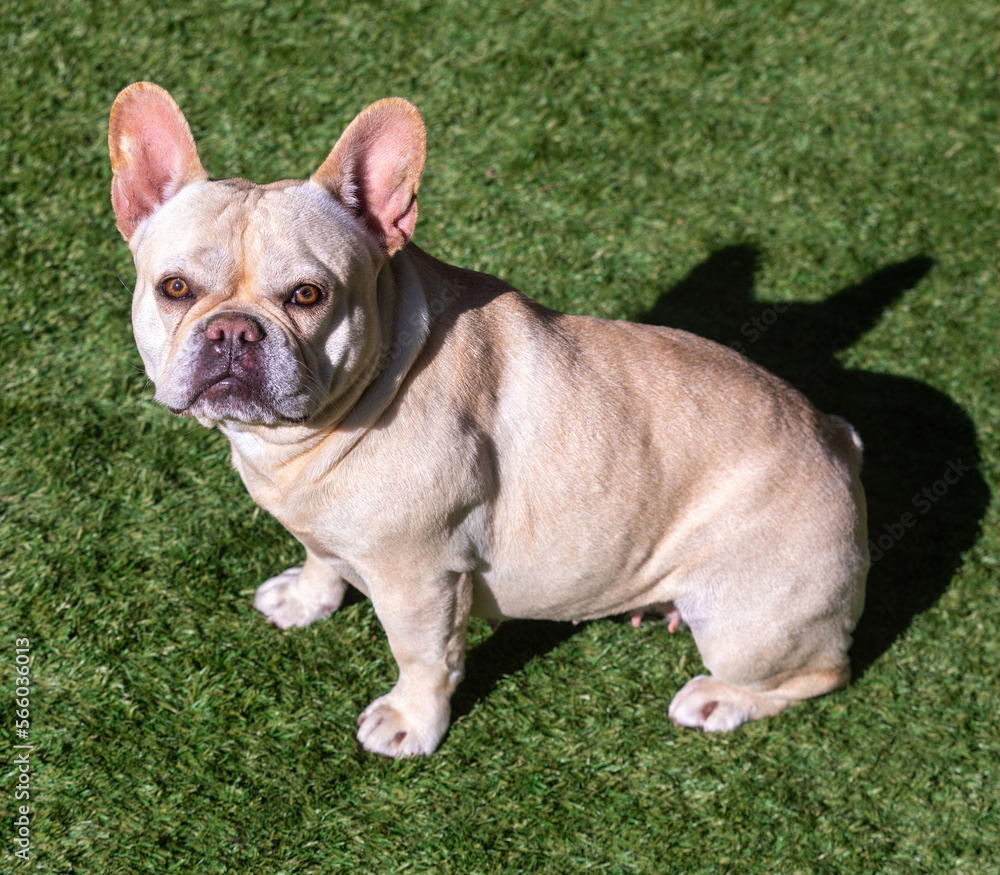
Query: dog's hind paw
{"points": [[710, 704]]}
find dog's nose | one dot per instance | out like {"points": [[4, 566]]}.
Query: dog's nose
{"points": [[234, 329]]}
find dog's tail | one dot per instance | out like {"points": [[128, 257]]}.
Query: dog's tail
{"points": [[844, 440]]}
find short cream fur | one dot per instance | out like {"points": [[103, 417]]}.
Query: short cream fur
{"points": [[449, 447]]}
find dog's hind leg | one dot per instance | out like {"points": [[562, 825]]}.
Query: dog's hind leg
{"points": [[760, 665]]}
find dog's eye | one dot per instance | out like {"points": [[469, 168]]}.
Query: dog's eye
{"points": [[175, 287], [306, 295]]}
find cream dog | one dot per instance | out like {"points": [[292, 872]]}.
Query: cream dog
{"points": [[449, 447]]}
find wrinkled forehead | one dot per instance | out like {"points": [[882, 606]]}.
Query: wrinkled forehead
{"points": [[224, 225]]}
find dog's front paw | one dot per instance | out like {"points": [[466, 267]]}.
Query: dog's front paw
{"points": [[707, 703], [386, 727], [292, 599]]}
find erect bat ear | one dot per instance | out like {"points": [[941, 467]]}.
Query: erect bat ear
{"points": [[153, 155], [374, 170]]}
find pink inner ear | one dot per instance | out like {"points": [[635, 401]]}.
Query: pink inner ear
{"points": [[153, 154], [159, 152], [390, 187], [375, 167]]}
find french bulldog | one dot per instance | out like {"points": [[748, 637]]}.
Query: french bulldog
{"points": [[450, 448]]}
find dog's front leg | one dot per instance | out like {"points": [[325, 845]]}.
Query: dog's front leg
{"points": [[425, 625], [300, 596]]}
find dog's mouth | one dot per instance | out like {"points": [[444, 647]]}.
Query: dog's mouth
{"points": [[225, 388], [231, 397]]}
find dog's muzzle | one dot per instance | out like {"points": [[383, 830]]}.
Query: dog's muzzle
{"points": [[233, 368]]}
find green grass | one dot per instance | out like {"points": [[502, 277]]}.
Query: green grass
{"points": [[828, 169]]}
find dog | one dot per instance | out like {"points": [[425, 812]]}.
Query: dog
{"points": [[450, 448]]}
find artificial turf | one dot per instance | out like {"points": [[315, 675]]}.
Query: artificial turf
{"points": [[815, 182]]}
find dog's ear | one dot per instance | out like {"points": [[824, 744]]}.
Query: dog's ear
{"points": [[374, 170], [153, 155]]}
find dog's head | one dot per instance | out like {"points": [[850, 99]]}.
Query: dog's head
{"points": [[257, 303]]}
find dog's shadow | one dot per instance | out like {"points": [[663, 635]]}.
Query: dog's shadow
{"points": [[926, 494]]}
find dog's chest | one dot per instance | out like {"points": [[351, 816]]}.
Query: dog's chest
{"points": [[344, 507]]}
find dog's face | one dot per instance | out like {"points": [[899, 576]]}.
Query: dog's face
{"points": [[254, 304], [257, 304]]}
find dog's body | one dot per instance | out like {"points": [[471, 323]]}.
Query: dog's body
{"points": [[449, 447]]}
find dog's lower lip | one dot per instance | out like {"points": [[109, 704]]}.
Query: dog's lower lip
{"points": [[216, 391], [220, 387], [227, 382]]}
